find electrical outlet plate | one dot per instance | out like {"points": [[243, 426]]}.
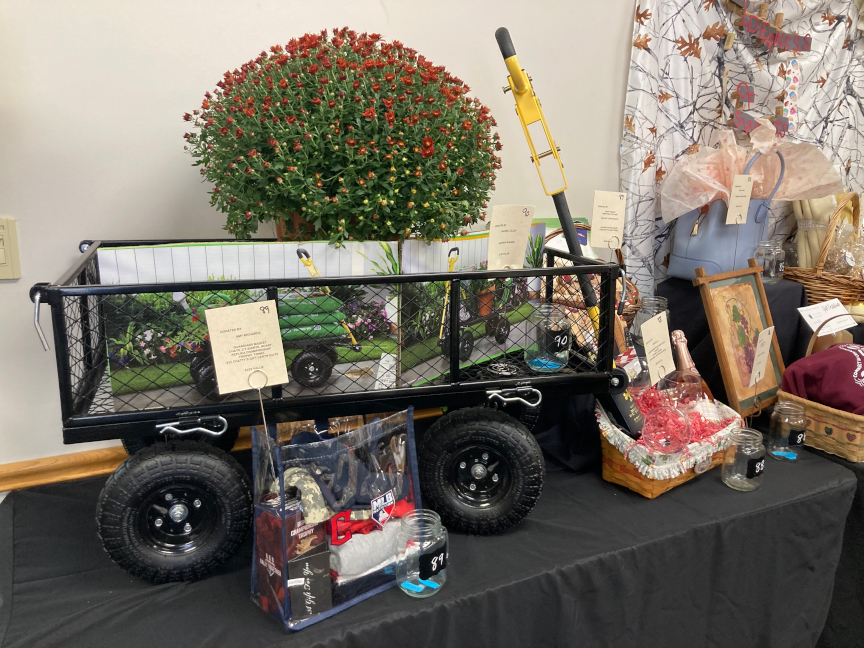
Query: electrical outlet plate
{"points": [[10, 268]]}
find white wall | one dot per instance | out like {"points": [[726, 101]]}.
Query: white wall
{"points": [[91, 98]]}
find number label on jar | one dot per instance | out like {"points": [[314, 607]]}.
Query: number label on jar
{"points": [[755, 467], [432, 563], [557, 340], [797, 436]]}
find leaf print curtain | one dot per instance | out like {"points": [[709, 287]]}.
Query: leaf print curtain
{"points": [[673, 104]]}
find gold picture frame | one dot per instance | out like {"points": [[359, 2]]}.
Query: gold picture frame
{"points": [[737, 311]]}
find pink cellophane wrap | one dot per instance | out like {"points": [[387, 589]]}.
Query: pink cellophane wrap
{"points": [[707, 175]]}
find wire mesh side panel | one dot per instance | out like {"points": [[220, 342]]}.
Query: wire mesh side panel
{"points": [[151, 351], [157, 349], [339, 339], [85, 343]]}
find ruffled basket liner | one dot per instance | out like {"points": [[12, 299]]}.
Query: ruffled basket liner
{"points": [[656, 465]]}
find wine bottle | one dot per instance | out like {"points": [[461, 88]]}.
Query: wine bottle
{"points": [[683, 361]]}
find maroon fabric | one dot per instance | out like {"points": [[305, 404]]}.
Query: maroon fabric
{"points": [[833, 377]]}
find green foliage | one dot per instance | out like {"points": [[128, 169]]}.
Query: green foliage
{"points": [[534, 259], [362, 138], [389, 261]]}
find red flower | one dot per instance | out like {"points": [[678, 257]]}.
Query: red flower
{"points": [[362, 150], [427, 152], [323, 80], [316, 101], [205, 104], [442, 166], [238, 132], [390, 117], [313, 68], [428, 142], [436, 113], [369, 113], [249, 111], [460, 171], [331, 104], [291, 119], [272, 142], [351, 142], [376, 87], [466, 124]]}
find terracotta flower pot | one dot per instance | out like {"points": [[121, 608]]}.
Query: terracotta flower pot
{"points": [[485, 301], [294, 228]]}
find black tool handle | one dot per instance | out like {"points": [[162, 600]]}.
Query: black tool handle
{"points": [[573, 245], [505, 43]]}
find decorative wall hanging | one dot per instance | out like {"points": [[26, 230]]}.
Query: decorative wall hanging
{"points": [[680, 70]]}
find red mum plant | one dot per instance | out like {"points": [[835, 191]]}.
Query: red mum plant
{"points": [[396, 137]]}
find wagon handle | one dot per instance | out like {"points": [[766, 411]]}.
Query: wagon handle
{"points": [[37, 297], [172, 426], [505, 395], [452, 250], [301, 254]]}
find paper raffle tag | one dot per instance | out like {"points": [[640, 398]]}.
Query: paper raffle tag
{"points": [[658, 348], [817, 313], [382, 508], [633, 368], [607, 221], [763, 350], [739, 200], [245, 339]]}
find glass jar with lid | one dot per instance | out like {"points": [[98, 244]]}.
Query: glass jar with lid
{"points": [[744, 460], [550, 336], [422, 554], [787, 432], [651, 306], [772, 257]]}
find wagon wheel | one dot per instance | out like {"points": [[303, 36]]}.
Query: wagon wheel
{"points": [[312, 368]]}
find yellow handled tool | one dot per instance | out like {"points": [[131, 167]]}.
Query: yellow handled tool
{"points": [[531, 116], [451, 260], [306, 260]]}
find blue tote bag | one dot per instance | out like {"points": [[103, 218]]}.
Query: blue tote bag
{"points": [[706, 241]]}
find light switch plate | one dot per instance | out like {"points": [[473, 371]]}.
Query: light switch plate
{"points": [[10, 268]]}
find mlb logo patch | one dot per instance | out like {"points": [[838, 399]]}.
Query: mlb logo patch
{"points": [[382, 508]]}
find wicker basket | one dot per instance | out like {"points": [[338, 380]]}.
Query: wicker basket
{"points": [[618, 470], [834, 431], [574, 295], [652, 475], [820, 285]]}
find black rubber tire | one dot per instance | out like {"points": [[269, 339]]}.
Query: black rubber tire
{"points": [[500, 432], [333, 355], [177, 464], [444, 344], [303, 365], [466, 345], [502, 330], [224, 441], [490, 325]]}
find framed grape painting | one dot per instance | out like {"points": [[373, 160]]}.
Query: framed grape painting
{"points": [[738, 312]]}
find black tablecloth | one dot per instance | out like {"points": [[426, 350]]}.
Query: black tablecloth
{"points": [[594, 565], [687, 313], [845, 624]]}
